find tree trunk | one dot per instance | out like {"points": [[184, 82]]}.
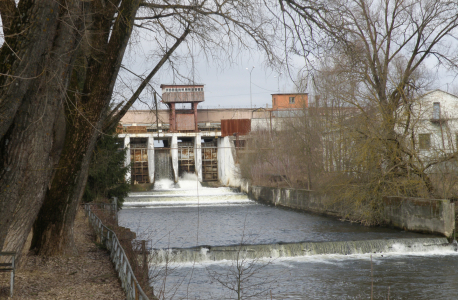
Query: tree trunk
{"points": [[53, 229], [31, 145]]}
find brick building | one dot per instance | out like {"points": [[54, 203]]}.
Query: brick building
{"points": [[289, 101]]}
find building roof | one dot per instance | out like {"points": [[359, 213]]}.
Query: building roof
{"points": [[165, 85], [438, 91], [290, 94]]}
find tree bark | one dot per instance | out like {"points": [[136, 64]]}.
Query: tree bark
{"points": [[53, 229], [32, 128]]}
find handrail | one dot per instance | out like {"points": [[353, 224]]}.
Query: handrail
{"points": [[9, 267], [118, 256]]}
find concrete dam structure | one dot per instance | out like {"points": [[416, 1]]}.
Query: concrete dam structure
{"points": [[166, 144], [209, 157]]}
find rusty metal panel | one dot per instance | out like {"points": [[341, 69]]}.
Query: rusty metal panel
{"points": [[185, 121], [239, 126], [185, 153], [209, 153]]}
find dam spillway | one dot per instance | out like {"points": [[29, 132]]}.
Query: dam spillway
{"points": [[173, 155], [198, 231]]}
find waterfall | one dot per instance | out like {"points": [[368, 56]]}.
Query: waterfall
{"points": [[210, 253], [163, 164]]}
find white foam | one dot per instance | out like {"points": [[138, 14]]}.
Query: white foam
{"points": [[187, 192], [163, 184]]}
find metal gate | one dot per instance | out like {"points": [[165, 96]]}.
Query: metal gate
{"points": [[186, 162], [209, 163], [139, 160]]}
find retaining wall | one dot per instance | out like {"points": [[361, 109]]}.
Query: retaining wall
{"points": [[423, 215], [412, 214], [292, 198]]}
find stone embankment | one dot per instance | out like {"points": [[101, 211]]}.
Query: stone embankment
{"points": [[435, 216]]}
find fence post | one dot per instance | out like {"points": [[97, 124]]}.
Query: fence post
{"points": [[12, 275], [145, 261], [115, 202]]}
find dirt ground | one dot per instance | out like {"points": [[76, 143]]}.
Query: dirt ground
{"points": [[90, 275]]}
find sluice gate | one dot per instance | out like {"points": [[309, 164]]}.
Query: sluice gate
{"points": [[209, 163], [186, 158], [139, 160], [172, 157]]}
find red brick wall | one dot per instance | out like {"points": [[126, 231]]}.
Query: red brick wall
{"points": [[281, 101]]}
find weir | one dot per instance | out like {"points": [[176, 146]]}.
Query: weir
{"points": [[238, 252]]}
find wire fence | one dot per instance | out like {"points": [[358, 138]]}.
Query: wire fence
{"points": [[117, 255]]}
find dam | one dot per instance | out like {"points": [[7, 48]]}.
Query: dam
{"points": [[217, 243], [165, 144], [202, 239]]}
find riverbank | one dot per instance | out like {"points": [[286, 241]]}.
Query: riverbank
{"points": [[432, 216], [89, 275]]}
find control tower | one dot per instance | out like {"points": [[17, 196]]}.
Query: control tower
{"points": [[185, 119]]}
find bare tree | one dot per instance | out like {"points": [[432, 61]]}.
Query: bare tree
{"points": [[382, 47], [216, 27]]}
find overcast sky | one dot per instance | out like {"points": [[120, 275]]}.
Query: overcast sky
{"points": [[230, 86]]}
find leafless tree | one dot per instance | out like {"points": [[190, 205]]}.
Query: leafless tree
{"points": [[87, 58]]}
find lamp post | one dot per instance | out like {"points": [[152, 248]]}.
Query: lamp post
{"points": [[278, 81], [251, 99]]}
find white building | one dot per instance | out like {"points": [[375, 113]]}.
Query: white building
{"points": [[435, 123]]}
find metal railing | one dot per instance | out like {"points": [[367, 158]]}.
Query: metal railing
{"points": [[117, 255], [9, 267]]}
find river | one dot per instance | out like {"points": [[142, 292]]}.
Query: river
{"points": [[187, 222]]}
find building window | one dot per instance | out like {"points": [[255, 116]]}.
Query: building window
{"points": [[436, 110], [291, 100], [424, 141]]}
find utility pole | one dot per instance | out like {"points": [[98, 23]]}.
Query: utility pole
{"points": [[278, 81]]}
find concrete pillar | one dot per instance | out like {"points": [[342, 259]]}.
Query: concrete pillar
{"points": [[198, 156], [194, 107], [227, 170], [150, 152], [127, 161], [221, 160], [173, 126], [174, 154]]}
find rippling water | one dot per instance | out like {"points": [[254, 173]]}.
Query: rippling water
{"points": [[188, 214]]}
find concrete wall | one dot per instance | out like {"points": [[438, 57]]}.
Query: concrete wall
{"points": [[148, 117], [291, 198], [411, 214], [422, 215]]}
